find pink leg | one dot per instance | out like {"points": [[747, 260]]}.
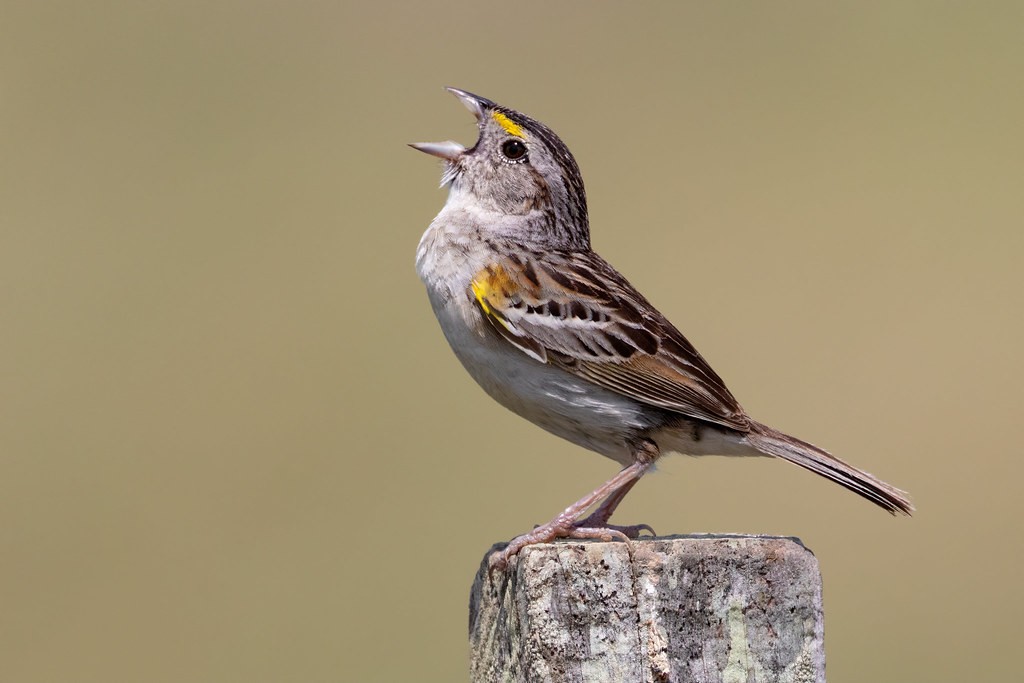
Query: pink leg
{"points": [[566, 525], [599, 517]]}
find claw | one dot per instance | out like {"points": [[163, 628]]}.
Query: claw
{"points": [[632, 531], [605, 534], [562, 528], [596, 526]]}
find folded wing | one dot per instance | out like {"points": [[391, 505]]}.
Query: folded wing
{"points": [[586, 318]]}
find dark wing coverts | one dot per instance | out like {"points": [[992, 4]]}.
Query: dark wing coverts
{"points": [[587, 319]]}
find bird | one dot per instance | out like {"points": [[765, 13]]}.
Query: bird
{"points": [[551, 331]]}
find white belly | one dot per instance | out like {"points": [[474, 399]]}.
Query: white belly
{"points": [[449, 254], [551, 398]]}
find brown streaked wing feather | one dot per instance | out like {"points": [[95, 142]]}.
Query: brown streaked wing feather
{"points": [[582, 315], [650, 380]]}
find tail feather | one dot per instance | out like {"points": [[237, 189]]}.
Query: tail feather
{"points": [[772, 442]]}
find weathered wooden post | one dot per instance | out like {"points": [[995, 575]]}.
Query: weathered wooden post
{"points": [[728, 609]]}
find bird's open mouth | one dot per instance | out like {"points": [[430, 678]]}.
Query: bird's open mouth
{"points": [[449, 150]]}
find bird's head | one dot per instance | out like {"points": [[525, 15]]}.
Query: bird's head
{"points": [[517, 168]]}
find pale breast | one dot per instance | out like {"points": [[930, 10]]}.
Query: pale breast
{"points": [[450, 253]]}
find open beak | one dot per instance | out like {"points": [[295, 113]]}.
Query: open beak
{"points": [[473, 103], [449, 150]]}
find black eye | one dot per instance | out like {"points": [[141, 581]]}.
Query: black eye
{"points": [[514, 150]]}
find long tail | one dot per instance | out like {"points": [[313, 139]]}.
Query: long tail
{"points": [[772, 442]]}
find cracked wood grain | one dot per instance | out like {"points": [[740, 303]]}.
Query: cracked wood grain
{"points": [[729, 609]]}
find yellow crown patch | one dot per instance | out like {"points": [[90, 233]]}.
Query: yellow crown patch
{"points": [[509, 126]]}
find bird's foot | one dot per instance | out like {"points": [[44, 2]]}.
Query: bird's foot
{"points": [[569, 525], [599, 521], [563, 527]]}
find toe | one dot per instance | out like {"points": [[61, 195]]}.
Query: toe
{"points": [[600, 533], [634, 530]]}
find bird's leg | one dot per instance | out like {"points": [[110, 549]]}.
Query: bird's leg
{"points": [[565, 525], [598, 519]]}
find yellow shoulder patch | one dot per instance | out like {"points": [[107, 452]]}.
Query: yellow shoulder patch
{"points": [[480, 292], [495, 291], [509, 126], [491, 285]]}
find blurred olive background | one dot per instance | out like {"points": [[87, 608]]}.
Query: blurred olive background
{"points": [[234, 445]]}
